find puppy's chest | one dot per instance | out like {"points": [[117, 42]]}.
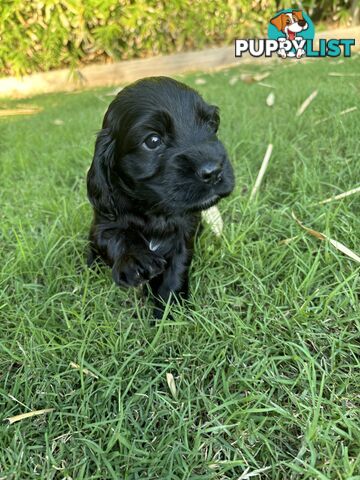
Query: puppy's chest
{"points": [[168, 237], [166, 245]]}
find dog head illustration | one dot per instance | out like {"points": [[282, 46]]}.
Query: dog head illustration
{"points": [[290, 23]]}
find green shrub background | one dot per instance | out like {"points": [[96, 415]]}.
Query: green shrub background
{"points": [[48, 34]]}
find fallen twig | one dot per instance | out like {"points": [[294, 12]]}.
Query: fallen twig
{"points": [[335, 74], [341, 195], [306, 103], [321, 236], [262, 171], [348, 110], [19, 111], [23, 416], [267, 85], [343, 112]]}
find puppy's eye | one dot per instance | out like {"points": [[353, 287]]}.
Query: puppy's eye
{"points": [[152, 142]]}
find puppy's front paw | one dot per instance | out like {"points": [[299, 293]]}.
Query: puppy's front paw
{"points": [[134, 269]]}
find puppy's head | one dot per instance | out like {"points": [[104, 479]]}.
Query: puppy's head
{"points": [[159, 148], [290, 23]]}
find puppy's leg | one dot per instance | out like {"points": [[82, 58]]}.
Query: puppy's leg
{"points": [[136, 266], [93, 257], [132, 262], [174, 280]]}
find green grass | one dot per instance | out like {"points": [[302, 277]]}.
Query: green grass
{"points": [[266, 356]]}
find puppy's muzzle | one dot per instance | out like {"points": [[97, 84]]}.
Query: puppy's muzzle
{"points": [[207, 161], [210, 172]]}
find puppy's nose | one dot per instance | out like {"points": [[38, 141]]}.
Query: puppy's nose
{"points": [[210, 172], [302, 23]]}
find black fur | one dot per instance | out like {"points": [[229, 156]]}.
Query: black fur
{"points": [[147, 200]]}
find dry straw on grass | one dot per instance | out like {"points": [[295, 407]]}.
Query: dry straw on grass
{"points": [[171, 384], [286, 241], [9, 112], [343, 112], [23, 416], [321, 236], [212, 216], [270, 99], [252, 78], [262, 171], [306, 103], [335, 74], [340, 196], [266, 85], [84, 370]]}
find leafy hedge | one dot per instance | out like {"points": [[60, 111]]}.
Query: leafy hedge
{"points": [[39, 35]]}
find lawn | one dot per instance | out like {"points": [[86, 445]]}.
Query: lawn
{"points": [[265, 358]]}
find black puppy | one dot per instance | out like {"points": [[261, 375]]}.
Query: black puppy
{"points": [[157, 164]]}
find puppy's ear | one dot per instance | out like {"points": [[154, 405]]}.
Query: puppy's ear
{"points": [[279, 22], [215, 117], [98, 178], [298, 14], [210, 114]]}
